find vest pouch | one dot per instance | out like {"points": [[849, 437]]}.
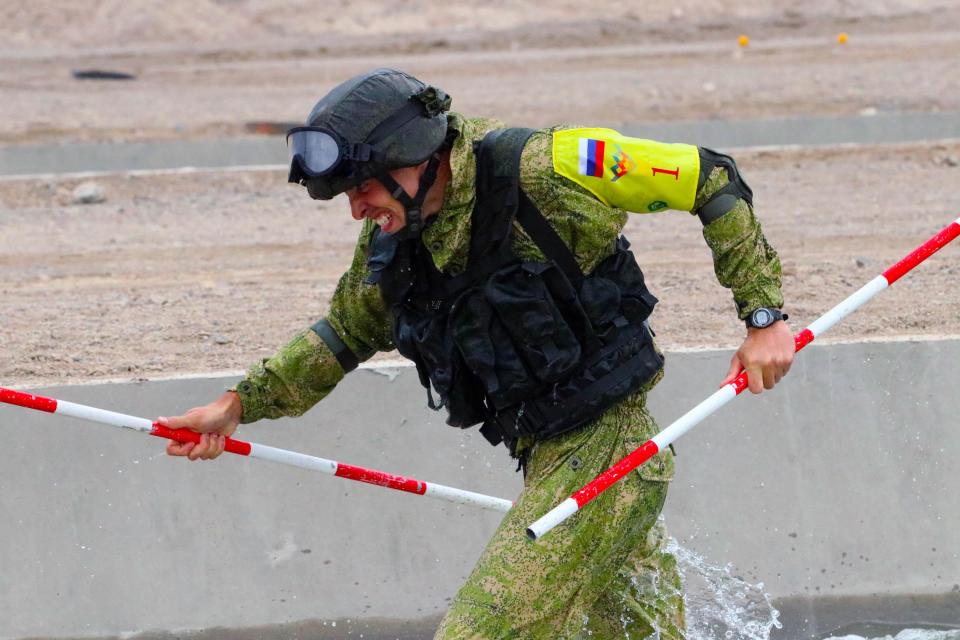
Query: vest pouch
{"points": [[609, 375], [532, 319], [487, 350], [600, 299], [405, 335], [425, 342], [428, 343], [512, 335], [466, 402], [621, 268]]}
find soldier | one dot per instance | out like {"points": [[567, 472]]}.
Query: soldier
{"points": [[493, 259]]}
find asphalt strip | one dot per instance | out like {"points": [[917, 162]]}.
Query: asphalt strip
{"points": [[89, 159]]}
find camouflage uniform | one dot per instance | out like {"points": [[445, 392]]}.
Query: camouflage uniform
{"points": [[603, 573]]}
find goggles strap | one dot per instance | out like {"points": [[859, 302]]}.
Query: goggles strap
{"points": [[357, 152]]}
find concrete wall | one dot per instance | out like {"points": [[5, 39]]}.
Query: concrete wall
{"points": [[842, 482]]}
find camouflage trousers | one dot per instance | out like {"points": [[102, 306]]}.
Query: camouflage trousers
{"points": [[601, 574]]}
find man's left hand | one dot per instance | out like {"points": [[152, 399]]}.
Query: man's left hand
{"points": [[766, 355]]}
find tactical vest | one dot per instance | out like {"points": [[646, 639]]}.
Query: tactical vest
{"points": [[525, 348]]}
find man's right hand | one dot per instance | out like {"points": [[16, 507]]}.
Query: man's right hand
{"points": [[216, 421]]}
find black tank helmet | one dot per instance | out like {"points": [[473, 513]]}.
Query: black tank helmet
{"points": [[363, 128]]}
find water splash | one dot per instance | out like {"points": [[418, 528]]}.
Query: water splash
{"points": [[909, 634], [722, 606], [719, 604]]}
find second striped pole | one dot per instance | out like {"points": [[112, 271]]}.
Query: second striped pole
{"points": [[730, 391]]}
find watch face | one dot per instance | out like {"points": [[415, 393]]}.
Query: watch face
{"points": [[761, 318]]}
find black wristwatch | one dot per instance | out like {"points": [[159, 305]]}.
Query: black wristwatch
{"points": [[763, 317]]}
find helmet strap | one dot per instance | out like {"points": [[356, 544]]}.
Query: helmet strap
{"points": [[413, 205]]}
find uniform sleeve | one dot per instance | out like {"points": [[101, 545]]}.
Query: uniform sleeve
{"points": [[305, 370], [743, 260]]}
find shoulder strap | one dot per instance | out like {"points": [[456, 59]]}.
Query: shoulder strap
{"points": [[498, 187], [547, 239], [500, 199]]}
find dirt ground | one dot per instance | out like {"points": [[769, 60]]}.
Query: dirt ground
{"points": [[186, 273]]}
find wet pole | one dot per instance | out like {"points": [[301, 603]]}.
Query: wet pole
{"points": [[730, 391], [254, 450]]}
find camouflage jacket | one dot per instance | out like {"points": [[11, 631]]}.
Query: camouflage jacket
{"points": [[304, 371]]}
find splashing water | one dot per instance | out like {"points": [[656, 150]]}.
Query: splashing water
{"points": [[722, 606], [719, 604], [909, 634]]}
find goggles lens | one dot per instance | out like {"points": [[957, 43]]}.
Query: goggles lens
{"points": [[313, 152]]}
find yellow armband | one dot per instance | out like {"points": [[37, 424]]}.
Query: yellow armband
{"points": [[630, 173]]}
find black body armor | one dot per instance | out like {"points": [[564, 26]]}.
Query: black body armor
{"points": [[525, 348]]}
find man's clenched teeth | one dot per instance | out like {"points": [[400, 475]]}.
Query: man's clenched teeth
{"points": [[383, 219]]}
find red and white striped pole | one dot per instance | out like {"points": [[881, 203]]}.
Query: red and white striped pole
{"points": [[254, 450], [730, 391]]}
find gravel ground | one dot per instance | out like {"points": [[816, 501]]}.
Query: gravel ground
{"points": [[201, 272], [184, 273]]}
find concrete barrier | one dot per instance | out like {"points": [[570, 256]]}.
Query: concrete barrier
{"points": [[842, 483]]}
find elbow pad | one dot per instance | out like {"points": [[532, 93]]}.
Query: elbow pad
{"points": [[726, 197], [346, 357]]}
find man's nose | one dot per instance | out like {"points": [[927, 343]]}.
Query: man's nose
{"points": [[356, 206]]}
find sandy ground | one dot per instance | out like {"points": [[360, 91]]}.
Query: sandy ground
{"points": [[619, 67], [202, 272], [206, 272]]}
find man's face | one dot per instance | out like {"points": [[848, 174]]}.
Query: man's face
{"points": [[371, 200]]}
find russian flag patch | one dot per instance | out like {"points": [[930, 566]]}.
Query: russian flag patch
{"points": [[591, 157]]}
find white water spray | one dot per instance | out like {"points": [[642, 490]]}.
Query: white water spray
{"points": [[719, 604], [909, 634]]}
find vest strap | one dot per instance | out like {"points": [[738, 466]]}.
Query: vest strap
{"points": [[548, 239], [498, 179]]}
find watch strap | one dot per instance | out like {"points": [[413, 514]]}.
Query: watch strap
{"points": [[776, 314]]}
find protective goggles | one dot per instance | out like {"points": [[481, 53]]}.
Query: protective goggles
{"points": [[315, 152]]}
